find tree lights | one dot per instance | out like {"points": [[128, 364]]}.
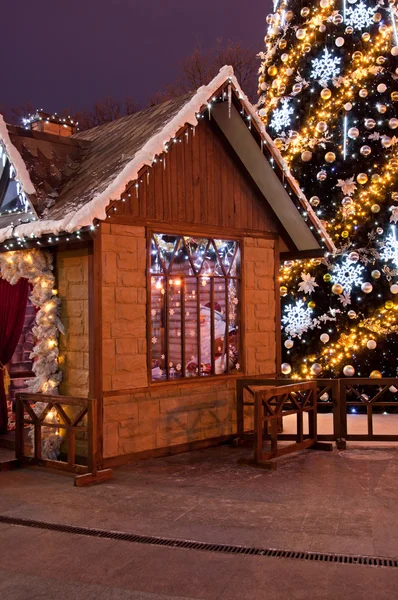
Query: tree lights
{"points": [[335, 63]]}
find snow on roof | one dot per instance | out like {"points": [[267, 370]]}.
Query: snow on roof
{"points": [[16, 159], [74, 217]]}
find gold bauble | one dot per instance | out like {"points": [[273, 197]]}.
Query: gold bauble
{"points": [[394, 96], [306, 156], [330, 157], [337, 289], [389, 305], [326, 94], [349, 30], [377, 17], [370, 123], [375, 274], [283, 290], [311, 304], [376, 178], [383, 28], [353, 132], [362, 178], [282, 44], [363, 93], [315, 201], [321, 126], [279, 142], [375, 208], [375, 375], [286, 368], [382, 108], [386, 141], [366, 36], [380, 60], [345, 234], [357, 55], [272, 71], [327, 277], [300, 34], [365, 150]]}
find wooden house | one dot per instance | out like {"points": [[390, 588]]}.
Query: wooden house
{"points": [[166, 229]]}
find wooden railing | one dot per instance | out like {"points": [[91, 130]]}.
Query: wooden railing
{"points": [[370, 395], [49, 429], [273, 402], [339, 396]]}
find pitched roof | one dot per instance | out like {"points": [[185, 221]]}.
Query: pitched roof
{"points": [[112, 147], [88, 170]]}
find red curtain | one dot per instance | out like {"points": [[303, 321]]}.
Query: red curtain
{"points": [[13, 299]]}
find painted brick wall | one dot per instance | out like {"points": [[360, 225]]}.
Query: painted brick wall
{"points": [[72, 275], [167, 414], [260, 309], [124, 299]]}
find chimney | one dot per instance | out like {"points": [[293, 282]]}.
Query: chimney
{"points": [[54, 124]]}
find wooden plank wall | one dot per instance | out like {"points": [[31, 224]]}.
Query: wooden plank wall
{"points": [[202, 183]]}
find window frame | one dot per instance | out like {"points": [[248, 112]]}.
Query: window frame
{"points": [[183, 379]]}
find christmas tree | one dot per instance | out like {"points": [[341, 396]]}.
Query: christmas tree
{"points": [[329, 96]]}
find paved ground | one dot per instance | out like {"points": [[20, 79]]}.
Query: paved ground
{"points": [[341, 502]]}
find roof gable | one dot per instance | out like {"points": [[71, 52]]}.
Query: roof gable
{"points": [[119, 151]]}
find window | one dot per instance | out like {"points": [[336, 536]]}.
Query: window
{"points": [[195, 306]]}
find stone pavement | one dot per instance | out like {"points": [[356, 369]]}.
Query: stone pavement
{"points": [[341, 502]]}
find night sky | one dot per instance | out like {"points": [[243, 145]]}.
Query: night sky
{"points": [[67, 54]]}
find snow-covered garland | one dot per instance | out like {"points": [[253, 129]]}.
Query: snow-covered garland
{"points": [[36, 266]]}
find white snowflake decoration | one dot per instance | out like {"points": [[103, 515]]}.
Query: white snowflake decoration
{"points": [[281, 116], [325, 67], [390, 248], [347, 274], [359, 16], [308, 284], [297, 319]]}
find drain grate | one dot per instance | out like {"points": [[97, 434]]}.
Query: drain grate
{"points": [[349, 559]]}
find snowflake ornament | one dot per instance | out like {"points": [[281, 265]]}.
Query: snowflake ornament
{"points": [[297, 319], [325, 67], [281, 116], [390, 248], [347, 274], [308, 284], [348, 186], [359, 16]]}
